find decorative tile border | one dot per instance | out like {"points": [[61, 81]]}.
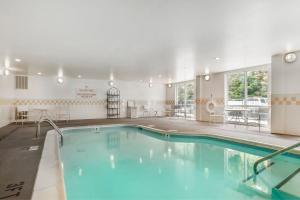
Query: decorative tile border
{"points": [[71, 102], [285, 99], [170, 102], [203, 101]]}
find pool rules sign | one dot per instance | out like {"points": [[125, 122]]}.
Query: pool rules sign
{"points": [[86, 92]]}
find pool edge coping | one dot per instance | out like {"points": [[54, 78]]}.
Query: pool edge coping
{"points": [[59, 166]]}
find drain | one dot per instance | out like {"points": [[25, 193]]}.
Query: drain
{"points": [[97, 130], [33, 148]]}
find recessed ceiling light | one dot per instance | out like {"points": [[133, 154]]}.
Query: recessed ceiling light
{"points": [[207, 77], [18, 60], [150, 85], [39, 73], [111, 83], [6, 72], [60, 80], [79, 76], [217, 58], [169, 85]]}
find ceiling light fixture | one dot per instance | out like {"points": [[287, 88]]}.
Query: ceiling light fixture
{"points": [[60, 80], [79, 76], [6, 72], [290, 57], [207, 77], [111, 83], [150, 85], [18, 60], [39, 73], [169, 85], [217, 58]]}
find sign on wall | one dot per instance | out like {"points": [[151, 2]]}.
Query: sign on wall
{"points": [[86, 92]]}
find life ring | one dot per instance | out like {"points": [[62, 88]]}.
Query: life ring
{"points": [[210, 106]]}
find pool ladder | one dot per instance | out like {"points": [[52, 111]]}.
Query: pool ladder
{"points": [[51, 123], [284, 150]]}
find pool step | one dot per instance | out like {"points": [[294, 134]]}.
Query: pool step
{"points": [[289, 187], [269, 177]]}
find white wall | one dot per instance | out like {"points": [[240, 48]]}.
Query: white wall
{"points": [[7, 94], [285, 96], [45, 92]]}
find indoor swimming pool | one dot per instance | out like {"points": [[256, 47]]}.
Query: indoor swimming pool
{"points": [[125, 162]]}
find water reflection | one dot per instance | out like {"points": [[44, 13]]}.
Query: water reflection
{"points": [[139, 164], [113, 140]]}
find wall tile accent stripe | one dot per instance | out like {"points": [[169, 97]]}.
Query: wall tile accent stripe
{"points": [[203, 101], [71, 102], [285, 99], [170, 102]]}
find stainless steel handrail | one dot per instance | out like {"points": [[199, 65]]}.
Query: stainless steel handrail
{"points": [[49, 121], [272, 155]]}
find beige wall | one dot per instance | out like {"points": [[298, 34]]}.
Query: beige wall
{"points": [[170, 95], [285, 96], [210, 90]]}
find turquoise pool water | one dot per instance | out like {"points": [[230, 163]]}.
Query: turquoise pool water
{"points": [[131, 163]]}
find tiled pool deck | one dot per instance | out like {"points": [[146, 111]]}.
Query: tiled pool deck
{"points": [[18, 165]]}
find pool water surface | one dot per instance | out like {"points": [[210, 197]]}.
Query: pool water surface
{"points": [[133, 163]]}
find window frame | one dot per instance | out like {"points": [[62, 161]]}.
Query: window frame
{"points": [[245, 71]]}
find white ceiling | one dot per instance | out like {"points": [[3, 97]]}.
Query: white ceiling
{"points": [[143, 39]]}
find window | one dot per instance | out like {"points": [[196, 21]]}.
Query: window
{"points": [[185, 100], [248, 92], [236, 89]]}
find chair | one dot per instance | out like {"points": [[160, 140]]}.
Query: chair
{"points": [[131, 109], [63, 113], [168, 111], [146, 111], [214, 111], [258, 114], [217, 113]]}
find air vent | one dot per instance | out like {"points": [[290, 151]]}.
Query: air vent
{"points": [[22, 82]]}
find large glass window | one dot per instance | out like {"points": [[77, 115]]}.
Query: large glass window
{"points": [[236, 89], [247, 97], [185, 100]]}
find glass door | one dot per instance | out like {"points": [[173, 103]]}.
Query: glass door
{"points": [[185, 100]]}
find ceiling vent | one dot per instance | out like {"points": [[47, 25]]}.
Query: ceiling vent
{"points": [[22, 82]]}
